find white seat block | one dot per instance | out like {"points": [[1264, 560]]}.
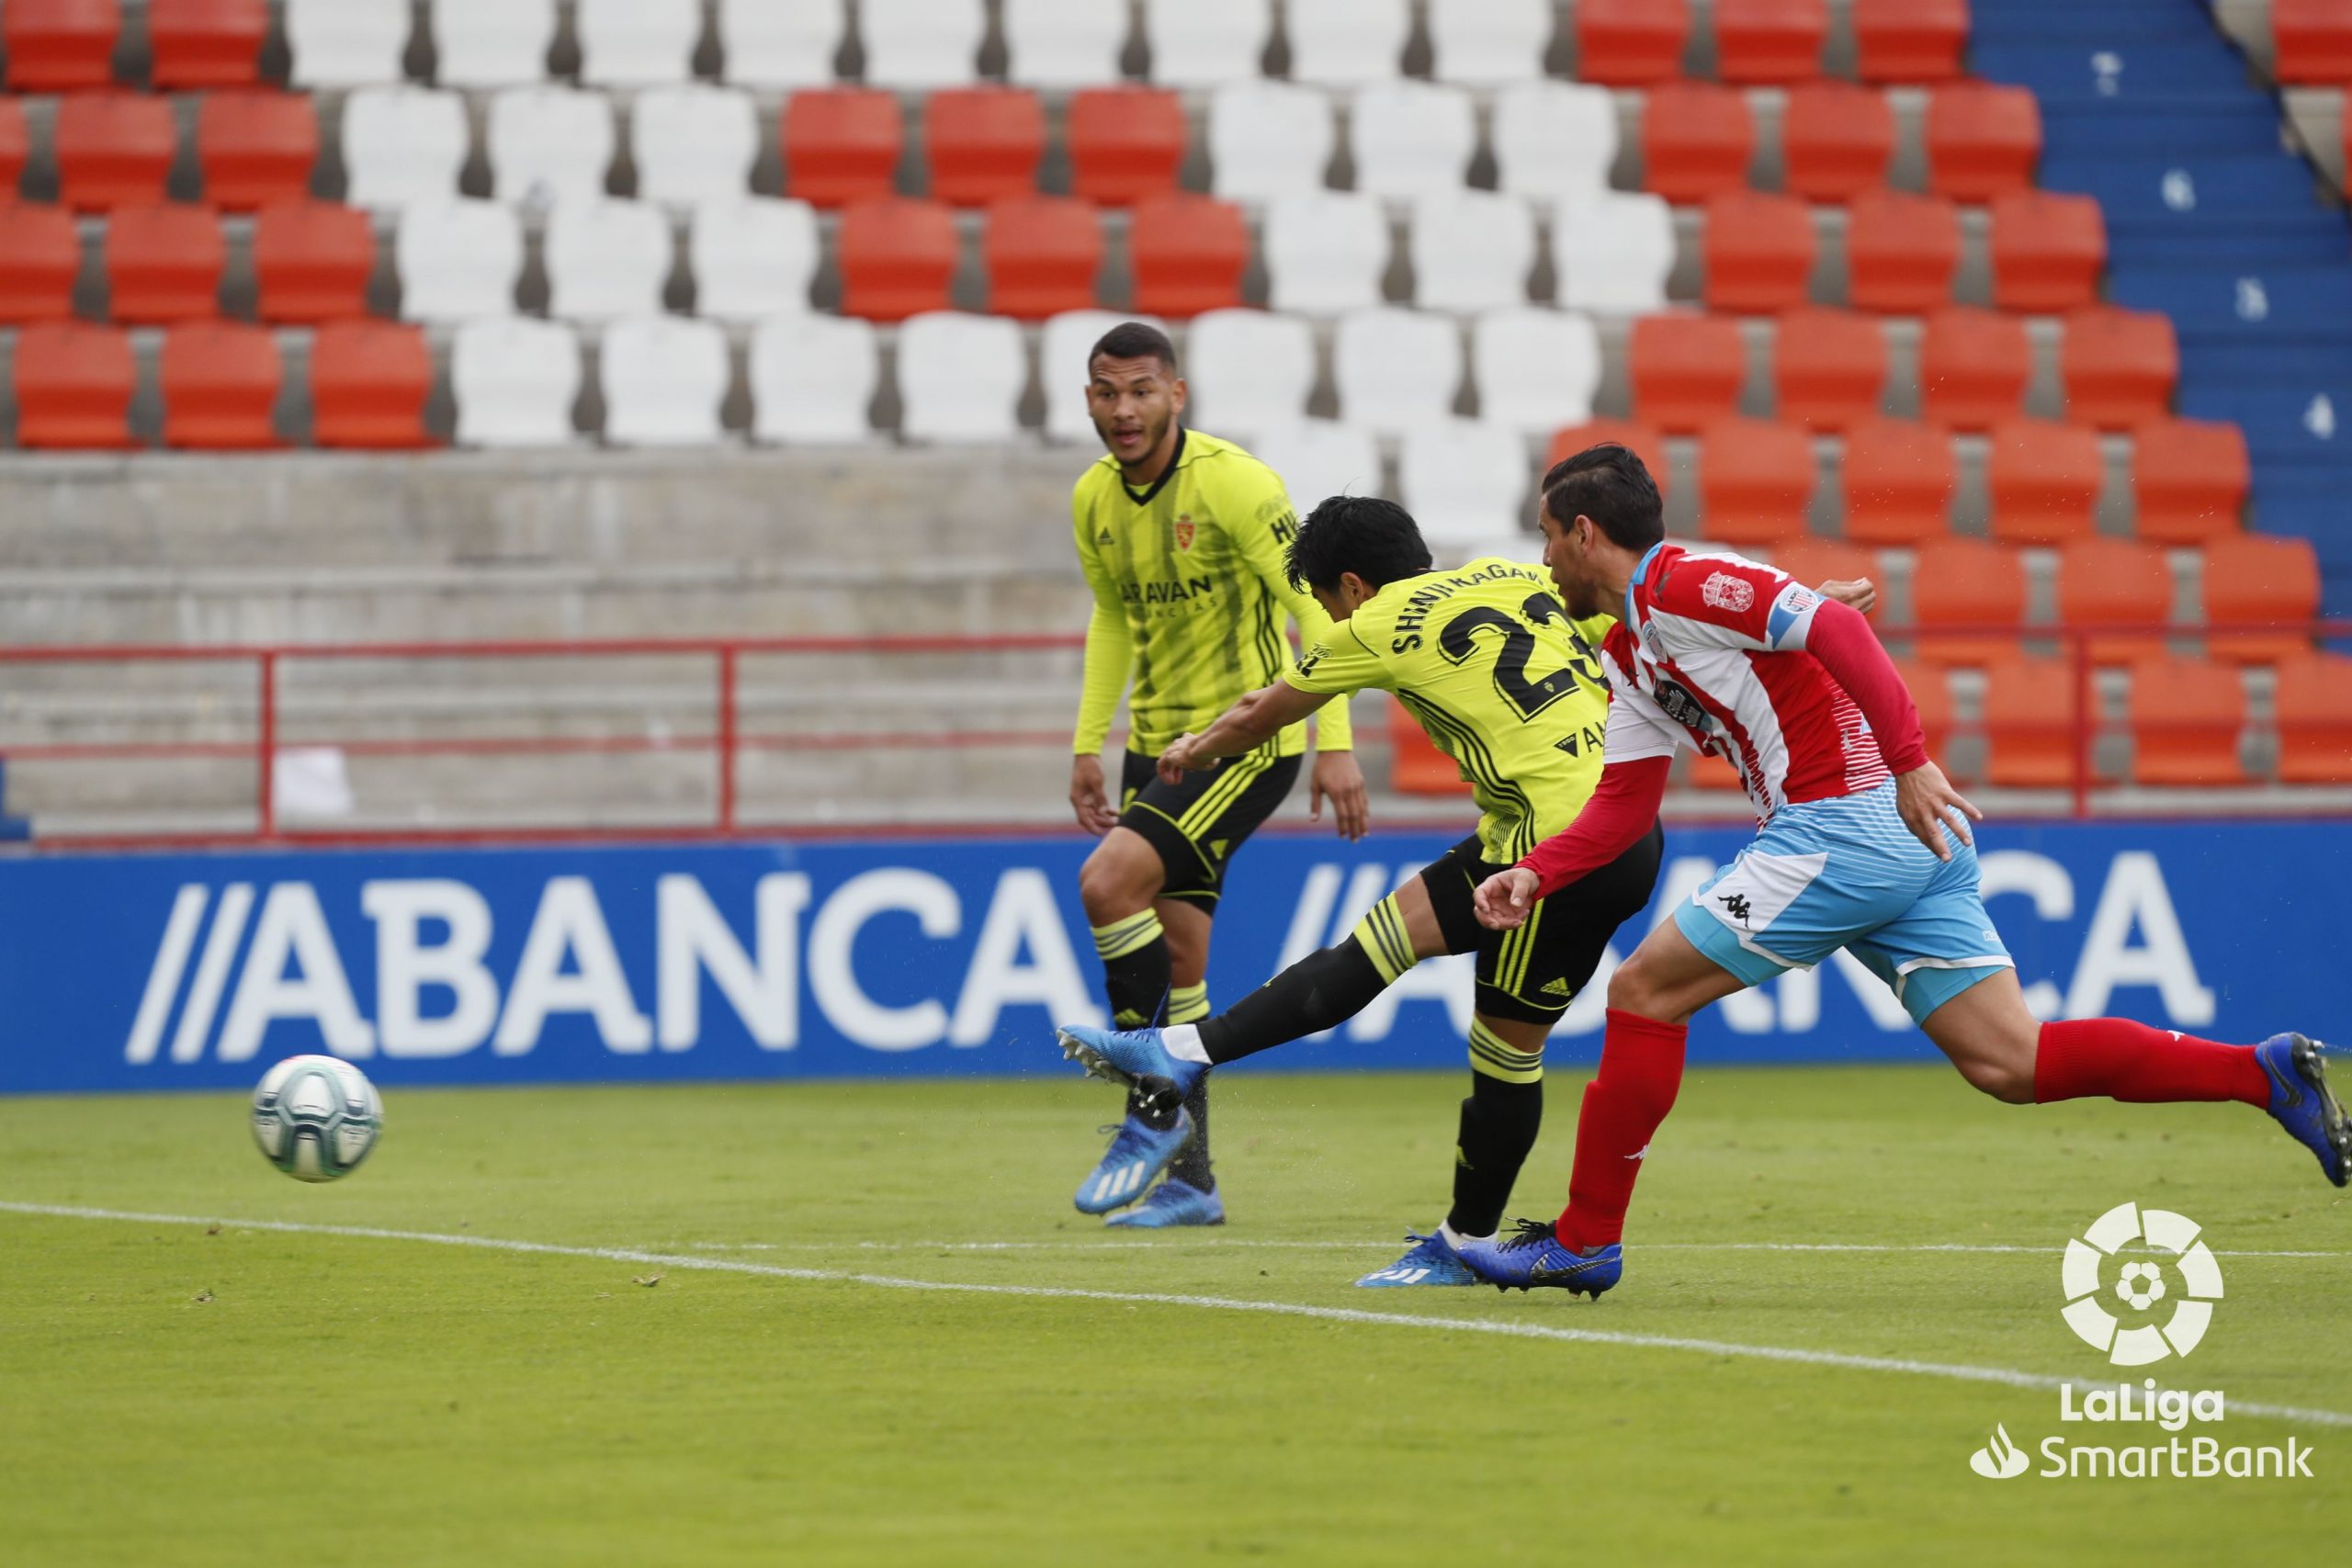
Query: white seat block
{"points": [[401, 144], [1471, 250], [1466, 483], [921, 43], [458, 259], [1537, 369], [960, 377], [1412, 137], [1325, 250], [1554, 140], [1268, 139], [637, 44], [1202, 43], [607, 259], [547, 144], [664, 379], [693, 143], [337, 44], [773, 45], [753, 256], [1484, 43], [1347, 43], [1614, 252], [1064, 43], [1319, 459], [514, 380], [492, 43], [1396, 368], [1248, 371], [813, 378]]}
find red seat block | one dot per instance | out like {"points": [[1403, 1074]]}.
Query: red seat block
{"points": [[221, 381], [2313, 39], [1043, 254], [1966, 582], [1626, 43], [2190, 478], [2045, 478], [1902, 252], [841, 144], [1814, 561], [2119, 366], [73, 385], [164, 262], [2187, 716], [1416, 766], [983, 143], [2048, 250], [1126, 143], [2314, 706], [1899, 480], [1775, 41], [2030, 720], [1686, 370], [1983, 139], [113, 149], [1828, 368], [15, 147], [1697, 141], [898, 259], [1837, 139], [1909, 40], [256, 148], [311, 261], [2253, 577], [370, 380], [41, 254], [207, 44], [1756, 479], [60, 45], [1189, 253], [1759, 251], [1974, 366], [2108, 583], [1643, 441]]}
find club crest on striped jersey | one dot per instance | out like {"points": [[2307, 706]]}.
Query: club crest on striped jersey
{"points": [[1725, 591], [1184, 530]]}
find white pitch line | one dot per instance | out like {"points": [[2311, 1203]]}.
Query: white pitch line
{"points": [[1110, 1244], [1506, 1328]]}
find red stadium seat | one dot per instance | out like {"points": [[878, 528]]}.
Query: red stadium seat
{"points": [[1983, 139], [311, 261], [2313, 38], [206, 43], [1698, 138], [2190, 476], [2314, 706], [2186, 718], [841, 144], [1974, 366], [898, 258], [2107, 582], [1909, 40], [1899, 478], [1837, 139], [1628, 43], [1416, 767], [1043, 253], [1644, 441], [983, 143], [2048, 251], [2119, 366], [1756, 479], [221, 381], [60, 45], [2045, 478], [41, 253], [1814, 561], [2254, 577], [1828, 368], [1189, 255], [1759, 251], [1965, 582], [1774, 41], [73, 385], [1686, 369], [2030, 727], [370, 380], [256, 148], [1126, 143], [113, 149], [1902, 252], [15, 147], [164, 262]]}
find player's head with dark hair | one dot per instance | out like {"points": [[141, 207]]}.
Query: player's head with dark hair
{"points": [[1134, 397], [1350, 548], [1600, 512]]}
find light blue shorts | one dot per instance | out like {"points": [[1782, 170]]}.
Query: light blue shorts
{"points": [[1847, 872]]}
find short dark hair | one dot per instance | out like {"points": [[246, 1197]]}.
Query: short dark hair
{"points": [[1134, 340], [1609, 484], [1376, 539]]}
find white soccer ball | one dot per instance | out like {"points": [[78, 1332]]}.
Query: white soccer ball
{"points": [[316, 1117]]}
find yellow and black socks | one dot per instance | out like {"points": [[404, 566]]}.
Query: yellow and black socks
{"points": [[1134, 969], [1500, 1122], [1190, 1004], [1324, 988]]}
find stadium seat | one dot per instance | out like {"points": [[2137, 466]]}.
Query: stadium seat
{"points": [[1412, 139], [898, 258], [1204, 43], [1554, 140], [1644, 441], [1396, 368], [960, 378], [492, 43], [1698, 138], [2031, 725], [2252, 578], [921, 43], [401, 144], [1248, 371], [841, 144], [1466, 482], [1902, 252], [16, 146], [1345, 44], [664, 379], [1319, 459], [647, 43], [751, 256], [311, 261], [256, 148], [2186, 718], [813, 378], [2313, 40], [1613, 252], [41, 254], [1965, 582], [1471, 250], [220, 382], [1268, 139], [2045, 478], [607, 259], [1812, 561], [1828, 368], [1837, 139], [1983, 139], [515, 381], [1909, 40], [774, 45], [1063, 43], [1324, 250], [1126, 143], [2111, 582], [1415, 766], [1062, 351], [458, 258], [1486, 43], [2118, 367], [1630, 43], [1974, 366], [1758, 252], [1899, 478], [548, 143], [1755, 479], [205, 43], [163, 263], [693, 143], [2189, 477], [1536, 368], [1188, 253], [74, 384], [336, 44], [983, 143], [60, 45], [2048, 251], [1043, 254], [1770, 42], [2315, 719], [1686, 369], [369, 381], [113, 149]]}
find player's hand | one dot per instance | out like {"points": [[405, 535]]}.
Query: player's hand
{"points": [[1337, 775], [1503, 899], [1183, 756], [1926, 802], [1861, 593], [1086, 797]]}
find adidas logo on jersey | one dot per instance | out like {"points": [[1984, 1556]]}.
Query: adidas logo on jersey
{"points": [[1103, 538], [1560, 987]]}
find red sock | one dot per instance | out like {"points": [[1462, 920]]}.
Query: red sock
{"points": [[1641, 1069], [2123, 1060]]}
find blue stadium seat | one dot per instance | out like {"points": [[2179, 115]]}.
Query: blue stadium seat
{"points": [[2196, 210], [2239, 126], [2288, 306], [2062, 73], [2305, 421]]}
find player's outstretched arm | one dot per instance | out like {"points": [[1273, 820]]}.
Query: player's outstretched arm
{"points": [[1246, 725]]}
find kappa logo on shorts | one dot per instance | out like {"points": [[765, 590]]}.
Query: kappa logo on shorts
{"points": [[1725, 592], [1736, 906]]}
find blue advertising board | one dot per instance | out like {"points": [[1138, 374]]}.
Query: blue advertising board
{"points": [[932, 957]]}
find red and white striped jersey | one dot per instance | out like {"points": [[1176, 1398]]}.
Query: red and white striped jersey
{"points": [[1710, 654]]}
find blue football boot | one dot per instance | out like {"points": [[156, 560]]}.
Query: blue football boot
{"points": [[1138, 1153], [2300, 1101], [1135, 1058], [1535, 1256], [1173, 1202], [1431, 1261]]}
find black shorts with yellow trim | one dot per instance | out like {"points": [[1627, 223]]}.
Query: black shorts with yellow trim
{"points": [[1531, 974], [1196, 824]]}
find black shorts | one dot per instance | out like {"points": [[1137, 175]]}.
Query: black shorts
{"points": [[1198, 824], [1531, 974]]}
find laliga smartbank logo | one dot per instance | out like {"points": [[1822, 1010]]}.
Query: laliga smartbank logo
{"points": [[2140, 1286]]}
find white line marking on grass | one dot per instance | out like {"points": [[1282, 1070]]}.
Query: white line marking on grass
{"points": [[1112, 1245], [1507, 1328]]}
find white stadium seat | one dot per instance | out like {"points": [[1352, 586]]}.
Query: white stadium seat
{"points": [[549, 144], [1201, 43], [1319, 459], [1063, 43], [1613, 252], [1346, 42], [751, 256], [401, 144], [492, 43], [693, 143], [1411, 138], [1537, 369], [1268, 139], [1466, 483], [639, 43], [664, 379], [1484, 43], [336, 44], [813, 378], [960, 377], [1248, 371], [1554, 140], [607, 259], [1471, 250], [921, 43], [514, 381], [1324, 250], [769, 45], [1396, 368], [1062, 349], [457, 259]]}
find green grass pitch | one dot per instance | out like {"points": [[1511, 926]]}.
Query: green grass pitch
{"points": [[174, 1393]]}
